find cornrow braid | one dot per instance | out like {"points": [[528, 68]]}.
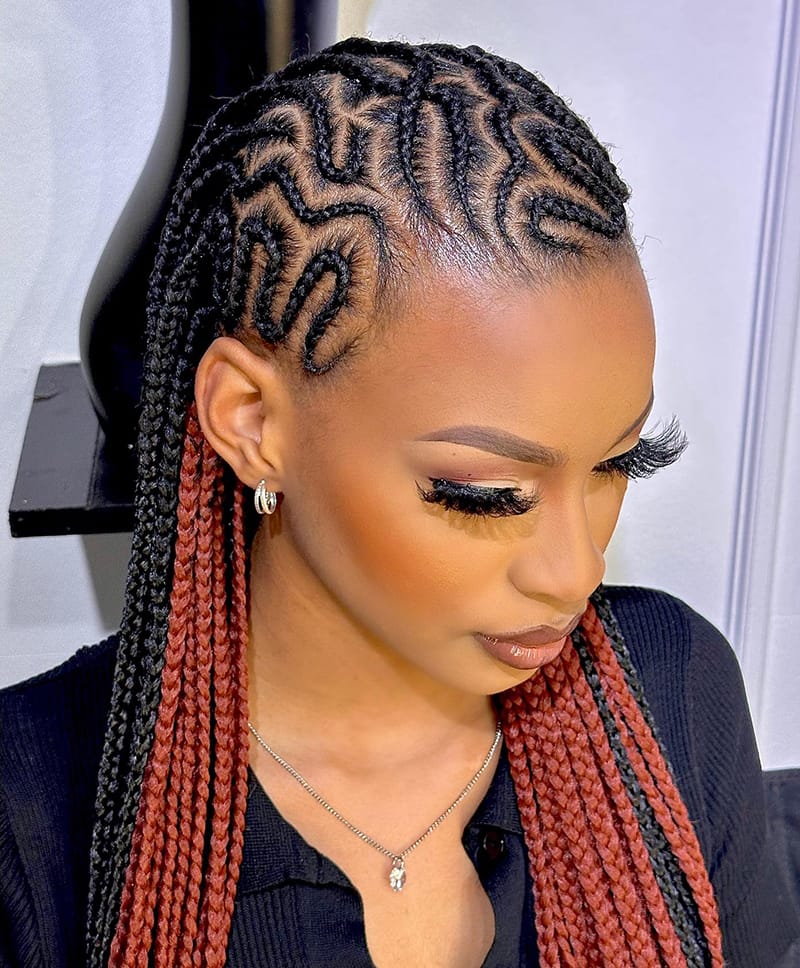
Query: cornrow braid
{"points": [[304, 204]]}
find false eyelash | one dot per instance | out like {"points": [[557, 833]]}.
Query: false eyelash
{"points": [[493, 502], [649, 455]]}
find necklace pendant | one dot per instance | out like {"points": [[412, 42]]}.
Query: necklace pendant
{"points": [[397, 875]]}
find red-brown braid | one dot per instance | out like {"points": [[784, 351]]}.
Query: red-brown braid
{"points": [[583, 711], [607, 856], [576, 814], [170, 899], [128, 946], [563, 828], [196, 791], [654, 776], [238, 631], [570, 821], [177, 901], [550, 923]]}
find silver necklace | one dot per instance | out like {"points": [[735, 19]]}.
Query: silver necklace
{"points": [[397, 875]]}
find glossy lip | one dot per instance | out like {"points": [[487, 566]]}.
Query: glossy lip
{"points": [[528, 649]]}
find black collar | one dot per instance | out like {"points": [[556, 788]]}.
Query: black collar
{"points": [[274, 852]]}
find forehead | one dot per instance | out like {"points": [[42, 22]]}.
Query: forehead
{"points": [[576, 352]]}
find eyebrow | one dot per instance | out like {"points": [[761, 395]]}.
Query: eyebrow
{"points": [[505, 444]]}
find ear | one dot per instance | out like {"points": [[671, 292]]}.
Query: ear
{"points": [[242, 405]]}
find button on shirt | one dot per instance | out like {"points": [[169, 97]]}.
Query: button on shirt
{"points": [[295, 908]]}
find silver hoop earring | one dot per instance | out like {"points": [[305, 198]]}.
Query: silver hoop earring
{"points": [[264, 500]]}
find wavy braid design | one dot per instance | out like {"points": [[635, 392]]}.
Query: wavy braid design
{"points": [[305, 204]]}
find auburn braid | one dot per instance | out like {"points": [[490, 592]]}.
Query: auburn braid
{"points": [[199, 810], [654, 774], [306, 203], [597, 814]]}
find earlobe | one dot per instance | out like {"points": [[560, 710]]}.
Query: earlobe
{"points": [[240, 401]]}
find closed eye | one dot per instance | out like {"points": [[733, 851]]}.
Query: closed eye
{"points": [[476, 501], [648, 456]]}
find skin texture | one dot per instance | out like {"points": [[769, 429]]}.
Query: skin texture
{"points": [[365, 600]]}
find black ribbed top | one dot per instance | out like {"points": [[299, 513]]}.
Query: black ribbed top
{"points": [[294, 903]]}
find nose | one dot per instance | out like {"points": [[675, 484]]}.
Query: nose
{"points": [[561, 562]]}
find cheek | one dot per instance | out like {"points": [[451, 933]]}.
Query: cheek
{"points": [[365, 532]]}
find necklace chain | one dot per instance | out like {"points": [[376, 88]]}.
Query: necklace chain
{"points": [[397, 875]]}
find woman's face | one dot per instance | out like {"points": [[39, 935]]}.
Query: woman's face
{"points": [[472, 399]]}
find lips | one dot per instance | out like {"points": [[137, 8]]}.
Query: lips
{"points": [[528, 649]]}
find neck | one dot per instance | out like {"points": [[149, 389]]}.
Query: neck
{"points": [[323, 687]]}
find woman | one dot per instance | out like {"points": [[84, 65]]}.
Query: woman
{"points": [[396, 311]]}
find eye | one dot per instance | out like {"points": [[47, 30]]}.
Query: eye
{"points": [[648, 456], [469, 499]]}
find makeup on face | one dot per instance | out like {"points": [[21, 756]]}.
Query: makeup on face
{"points": [[495, 440], [438, 526], [528, 649], [484, 492]]}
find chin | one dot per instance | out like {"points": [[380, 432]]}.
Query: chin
{"points": [[492, 682]]}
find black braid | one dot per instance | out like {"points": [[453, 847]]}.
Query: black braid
{"points": [[560, 208], [407, 124], [614, 632], [500, 120], [255, 232], [323, 142], [671, 879], [583, 164], [465, 148], [543, 98], [266, 217], [325, 262]]}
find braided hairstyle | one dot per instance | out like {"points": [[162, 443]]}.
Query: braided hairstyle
{"points": [[303, 206]]}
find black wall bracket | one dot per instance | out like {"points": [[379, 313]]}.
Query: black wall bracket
{"points": [[67, 481]]}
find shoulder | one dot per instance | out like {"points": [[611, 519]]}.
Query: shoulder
{"points": [[695, 691], [684, 662], [53, 728], [662, 628], [53, 723], [694, 688], [690, 673], [90, 661]]}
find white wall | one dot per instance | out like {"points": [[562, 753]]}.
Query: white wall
{"points": [[682, 91], [83, 84]]}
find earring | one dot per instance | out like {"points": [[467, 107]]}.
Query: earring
{"points": [[264, 500]]}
